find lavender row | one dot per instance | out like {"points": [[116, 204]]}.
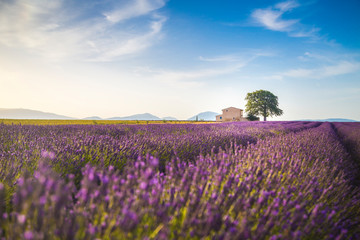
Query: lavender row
{"points": [[76, 145], [350, 135], [293, 186]]}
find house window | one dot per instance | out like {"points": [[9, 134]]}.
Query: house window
{"points": [[233, 118], [220, 117]]}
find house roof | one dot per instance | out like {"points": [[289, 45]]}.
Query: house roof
{"points": [[232, 108]]}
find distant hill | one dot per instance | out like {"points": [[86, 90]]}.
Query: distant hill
{"points": [[21, 113], [169, 118], [144, 116], [207, 116], [331, 120], [93, 118]]}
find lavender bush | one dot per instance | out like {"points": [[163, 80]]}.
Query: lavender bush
{"points": [[350, 135], [277, 181], [76, 145]]}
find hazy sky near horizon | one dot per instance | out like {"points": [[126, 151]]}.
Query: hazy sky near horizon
{"points": [[177, 58]]}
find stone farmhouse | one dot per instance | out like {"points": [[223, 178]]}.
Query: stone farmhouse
{"points": [[231, 114]]}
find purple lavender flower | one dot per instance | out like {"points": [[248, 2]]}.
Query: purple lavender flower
{"points": [[28, 235]]}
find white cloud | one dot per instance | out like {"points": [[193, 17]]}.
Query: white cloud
{"points": [[218, 66], [134, 9], [113, 49], [185, 76], [340, 68], [247, 56], [49, 29], [186, 79], [313, 33], [20, 23], [299, 73], [286, 6], [225, 58], [272, 19], [310, 56]]}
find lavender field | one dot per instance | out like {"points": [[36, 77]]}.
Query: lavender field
{"points": [[246, 180]]}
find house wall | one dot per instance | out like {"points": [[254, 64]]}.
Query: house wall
{"points": [[232, 114]]}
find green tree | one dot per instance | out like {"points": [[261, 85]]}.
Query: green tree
{"points": [[252, 118], [262, 103]]}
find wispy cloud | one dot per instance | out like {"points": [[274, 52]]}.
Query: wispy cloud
{"points": [[195, 77], [339, 68], [246, 57], [310, 56], [109, 50], [312, 32], [134, 9], [225, 58], [217, 66], [286, 6], [273, 18], [50, 29], [184, 79]]}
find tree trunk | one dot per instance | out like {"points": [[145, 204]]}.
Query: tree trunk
{"points": [[265, 113]]}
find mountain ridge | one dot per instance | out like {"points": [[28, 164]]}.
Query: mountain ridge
{"points": [[207, 116], [330, 120], [21, 113], [142, 116]]}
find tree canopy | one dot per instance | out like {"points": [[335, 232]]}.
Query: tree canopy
{"points": [[262, 103], [252, 117]]}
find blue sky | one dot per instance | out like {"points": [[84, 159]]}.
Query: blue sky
{"points": [[178, 57]]}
